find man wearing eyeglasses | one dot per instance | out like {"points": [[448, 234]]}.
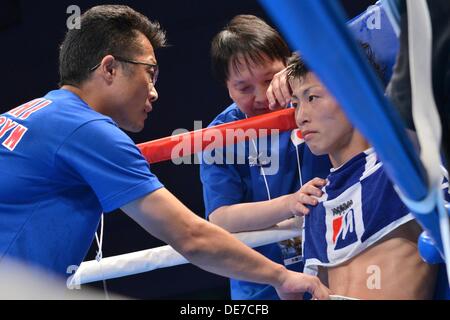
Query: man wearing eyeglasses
{"points": [[64, 161]]}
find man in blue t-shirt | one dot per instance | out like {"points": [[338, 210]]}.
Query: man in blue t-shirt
{"points": [[64, 161], [253, 185]]}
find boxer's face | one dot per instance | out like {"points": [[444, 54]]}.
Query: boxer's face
{"points": [[247, 84], [134, 91], [325, 127]]}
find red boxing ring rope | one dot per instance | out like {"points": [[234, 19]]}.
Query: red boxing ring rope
{"points": [[161, 149]]}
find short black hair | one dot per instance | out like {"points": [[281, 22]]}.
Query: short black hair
{"points": [[249, 37], [106, 29], [297, 68]]}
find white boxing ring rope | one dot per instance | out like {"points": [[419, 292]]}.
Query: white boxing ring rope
{"points": [[165, 256]]}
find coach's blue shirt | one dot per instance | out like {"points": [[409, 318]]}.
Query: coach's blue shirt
{"points": [[61, 165]]}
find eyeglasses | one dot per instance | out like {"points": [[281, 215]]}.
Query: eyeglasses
{"points": [[155, 68]]}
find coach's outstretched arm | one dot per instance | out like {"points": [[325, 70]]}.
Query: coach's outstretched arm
{"points": [[213, 249]]}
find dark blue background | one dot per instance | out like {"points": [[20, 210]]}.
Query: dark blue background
{"points": [[30, 33]]}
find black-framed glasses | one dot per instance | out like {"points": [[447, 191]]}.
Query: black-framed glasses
{"points": [[155, 68]]}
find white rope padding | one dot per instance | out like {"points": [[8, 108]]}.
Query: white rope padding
{"points": [[424, 110], [166, 256]]}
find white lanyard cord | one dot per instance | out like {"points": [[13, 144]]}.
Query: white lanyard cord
{"points": [[99, 255]]}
